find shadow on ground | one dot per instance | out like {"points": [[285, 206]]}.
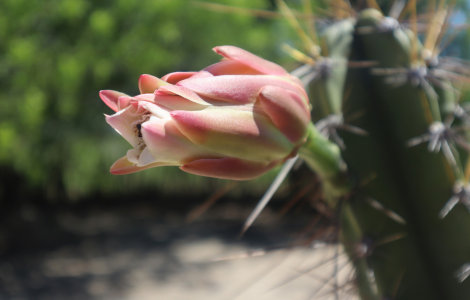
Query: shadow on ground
{"points": [[140, 250]]}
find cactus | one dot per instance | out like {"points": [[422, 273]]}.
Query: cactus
{"points": [[392, 185]]}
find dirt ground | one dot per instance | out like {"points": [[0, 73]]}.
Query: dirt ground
{"points": [[141, 252]]}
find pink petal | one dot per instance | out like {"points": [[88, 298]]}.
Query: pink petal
{"points": [[231, 67], [123, 102], [111, 98], [251, 60], [174, 77], [122, 167], [228, 168], [233, 132], [154, 110], [123, 121], [287, 110], [149, 83], [140, 157], [238, 89], [202, 74], [167, 144], [183, 92], [173, 102], [145, 97]]}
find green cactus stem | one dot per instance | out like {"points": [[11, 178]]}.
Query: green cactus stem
{"points": [[410, 165]]}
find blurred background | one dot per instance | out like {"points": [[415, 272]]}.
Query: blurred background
{"points": [[71, 230]]}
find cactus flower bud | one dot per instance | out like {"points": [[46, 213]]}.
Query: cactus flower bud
{"points": [[236, 119]]}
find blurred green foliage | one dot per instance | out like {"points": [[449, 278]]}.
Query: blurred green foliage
{"points": [[55, 55]]}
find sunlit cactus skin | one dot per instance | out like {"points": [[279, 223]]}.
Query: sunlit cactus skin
{"points": [[402, 163]]}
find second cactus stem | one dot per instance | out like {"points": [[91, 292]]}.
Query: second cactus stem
{"points": [[392, 185]]}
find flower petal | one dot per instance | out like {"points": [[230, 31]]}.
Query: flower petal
{"points": [[167, 144], [141, 158], [183, 92], [123, 102], [174, 77], [149, 83], [155, 110], [228, 168], [174, 102], [253, 61], [123, 166], [231, 67], [287, 110], [233, 132], [202, 74], [111, 98], [123, 122], [238, 89]]}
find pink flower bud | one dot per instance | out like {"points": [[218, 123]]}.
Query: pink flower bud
{"points": [[236, 119]]}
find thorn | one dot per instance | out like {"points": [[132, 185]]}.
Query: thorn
{"points": [[369, 178], [396, 9], [302, 71], [355, 130], [269, 193], [309, 45], [199, 210], [389, 213], [461, 194], [463, 272], [391, 238], [329, 125], [297, 55], [362, 64], [448, 206], [296, 197], [374, 4], [442, 137]]}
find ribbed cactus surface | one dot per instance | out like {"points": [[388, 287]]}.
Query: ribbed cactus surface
{"points": [[397, 156]]}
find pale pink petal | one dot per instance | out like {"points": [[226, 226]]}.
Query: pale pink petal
{"points": [[231, 132], [228, 168], [251, 60], [122, 167], [141, 158], [146, 158], [173, 102], [167, 144], [145, 97], [123, 102], [155, 110], [231, 67], [174, 77], [202, 74], [124, 123], [237, 89], [149, 83], [111, 98], [183, 92], [287, 110]]}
